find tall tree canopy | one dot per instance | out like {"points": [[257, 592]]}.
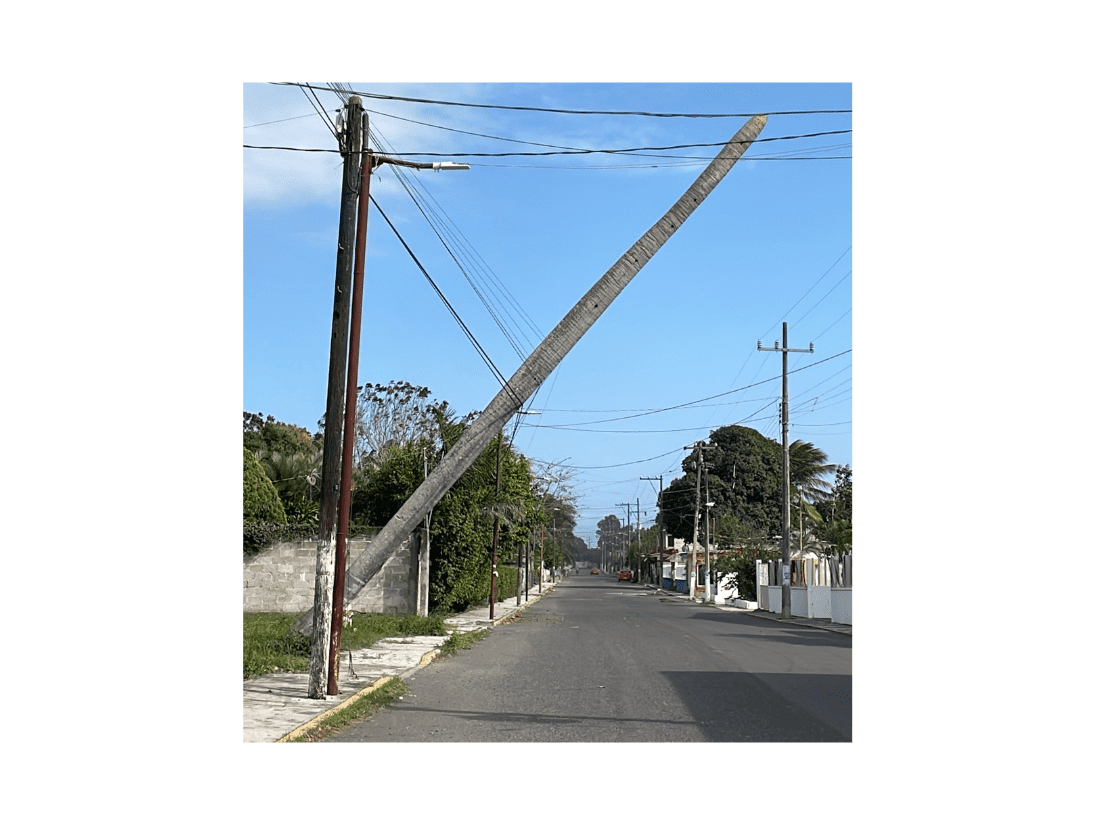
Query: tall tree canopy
{"points": [[744, 480]]}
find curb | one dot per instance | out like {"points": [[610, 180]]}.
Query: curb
{"points": [[361, 694], [764, 614], [383, 680]]}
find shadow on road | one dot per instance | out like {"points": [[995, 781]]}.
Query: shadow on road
{"points": [[746, 707]]}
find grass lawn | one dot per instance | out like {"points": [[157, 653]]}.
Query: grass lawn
{"points": [[268, 644]]}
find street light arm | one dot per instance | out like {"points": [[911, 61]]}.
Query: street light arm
{"points": [[439, 166]]}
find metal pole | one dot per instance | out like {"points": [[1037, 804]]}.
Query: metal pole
{"points": [[336, 389]]}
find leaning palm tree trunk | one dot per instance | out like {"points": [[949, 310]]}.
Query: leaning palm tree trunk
{"points": [[539, 366]]}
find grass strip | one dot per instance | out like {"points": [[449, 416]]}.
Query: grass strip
{"points": [[461, 641], [269, 645], [357, 708]]}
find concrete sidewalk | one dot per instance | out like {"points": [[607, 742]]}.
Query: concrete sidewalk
{"points": [[277, 704]]}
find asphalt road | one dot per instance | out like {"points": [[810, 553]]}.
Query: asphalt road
{"points": [[598, 660]]}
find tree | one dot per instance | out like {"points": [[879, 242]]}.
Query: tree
{"points": [[260, 499], [837, 529], [395, 415], [462, 522], [809, 466], [610, 536], [273, 436], [744, 479], [292, 459]]}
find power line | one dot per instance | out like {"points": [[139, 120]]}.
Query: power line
{"points": [[627, 151], [478, 347], [690, 162], [438, 224], [680, 406], [375, 96], [323, 115], [612, 151]]}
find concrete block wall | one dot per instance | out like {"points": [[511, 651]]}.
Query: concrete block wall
{"points": [[282, 579]]}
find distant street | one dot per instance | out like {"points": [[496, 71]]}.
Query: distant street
{"points": [[598, 660]]}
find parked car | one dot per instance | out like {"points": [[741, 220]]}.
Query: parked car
{"points": [[594, 572], [623, 576]]}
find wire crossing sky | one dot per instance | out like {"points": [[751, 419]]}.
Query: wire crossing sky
{"points": [[513, 243]]}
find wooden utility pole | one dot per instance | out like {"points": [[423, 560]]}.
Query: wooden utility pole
{"points": [[349, 418], [627, 541], [660, 522], [350, 146], [494, 545], [544, 359], [699, 446], [707, 595], [785, 539]]}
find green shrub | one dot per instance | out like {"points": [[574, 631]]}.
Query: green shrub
{"points": [[260, 499], [742, 567]]}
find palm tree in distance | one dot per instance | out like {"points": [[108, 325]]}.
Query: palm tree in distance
{"points": [[809, 466]]}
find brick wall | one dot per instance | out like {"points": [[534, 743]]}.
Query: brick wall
{"points": [[282, 579]]}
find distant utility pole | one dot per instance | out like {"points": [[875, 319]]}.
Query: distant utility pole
{"points": [[699, 446], [785, 539], [708, 578], [627, 541], [350, 144], [659, 520]]}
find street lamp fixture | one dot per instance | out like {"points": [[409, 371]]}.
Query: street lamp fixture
{"points": [[439, 166]]}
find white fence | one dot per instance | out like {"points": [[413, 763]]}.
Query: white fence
{"points": [[820, 588]]}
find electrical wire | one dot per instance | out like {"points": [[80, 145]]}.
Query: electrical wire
{"points": [[615, 151], [679, 406], [375, 96], [478, 347], [323, 115], [630, 152], [443, 227]]}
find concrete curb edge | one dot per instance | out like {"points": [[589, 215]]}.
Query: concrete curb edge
{"points": [[361, 694]]}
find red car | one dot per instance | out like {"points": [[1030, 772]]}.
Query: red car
{"points": [[623, 576]]}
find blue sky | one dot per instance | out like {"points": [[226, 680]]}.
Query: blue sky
{"points": [[773, 243]]}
